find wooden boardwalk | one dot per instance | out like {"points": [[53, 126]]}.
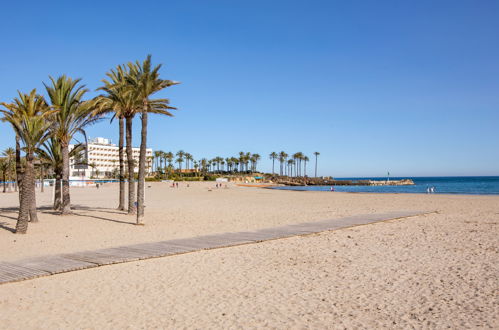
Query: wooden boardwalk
{"points": [[55, 264]]}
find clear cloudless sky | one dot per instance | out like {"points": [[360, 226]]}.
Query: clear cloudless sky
{"points": [[410, 87]]}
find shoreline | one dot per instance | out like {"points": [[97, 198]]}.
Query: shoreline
{"points": [[380, 192]]}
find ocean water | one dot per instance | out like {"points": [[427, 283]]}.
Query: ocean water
{"points": [[469, 185]]}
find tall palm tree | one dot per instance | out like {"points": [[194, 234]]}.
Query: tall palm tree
{"points": [[66, 95], [316, 154], [144, 80], [121, 101], [29, 116], [298, 157], [255, 158], [290, 164], [157, 157], [189, 158], [305, 160], [180, 154], [282, 158], [273, 156], [169, 157]]}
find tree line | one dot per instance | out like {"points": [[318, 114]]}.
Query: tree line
{"points": [[164, 163], [45, 126], [245, 162], [291, 165]]}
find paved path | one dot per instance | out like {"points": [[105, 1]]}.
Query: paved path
{"points": [[55, 264]]}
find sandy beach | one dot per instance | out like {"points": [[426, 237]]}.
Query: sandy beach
{"points": [[434, 271]]}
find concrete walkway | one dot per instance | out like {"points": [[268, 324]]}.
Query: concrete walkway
{"points": [[49, 265]]}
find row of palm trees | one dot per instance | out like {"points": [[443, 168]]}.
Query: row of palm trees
{"points": [[245, 162], [162, 158], [291, 165], [45, 127], [294, 165]]}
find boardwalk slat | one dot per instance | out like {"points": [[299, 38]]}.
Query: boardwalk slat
{"points": [[55, 264], [196, 243], [12, 272], [163, 248]]}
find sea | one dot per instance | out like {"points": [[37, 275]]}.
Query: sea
{"points": [[466, 185]]}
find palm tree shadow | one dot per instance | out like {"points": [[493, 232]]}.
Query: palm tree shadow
{"points": [[3, 226], [8, 217], [98, 209], [106, 219]]}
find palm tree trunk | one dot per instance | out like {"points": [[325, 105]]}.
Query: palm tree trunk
{"points": [[66, 199], [4, 182], [28, 183], [121, 205], [142, 167], [57, 188], [131, 174], [315, 165], [19, 169], [41, 178], [33, 217]]}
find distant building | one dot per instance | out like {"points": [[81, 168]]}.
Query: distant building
{"points": [[103, 160]]}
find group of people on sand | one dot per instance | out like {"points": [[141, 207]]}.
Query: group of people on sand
{"points": [[219, 185]]}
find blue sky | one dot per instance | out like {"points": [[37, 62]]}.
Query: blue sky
{"points": [[410, 87]]}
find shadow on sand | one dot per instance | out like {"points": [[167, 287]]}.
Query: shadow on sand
{"points": [[3, 225], [49, 210]]}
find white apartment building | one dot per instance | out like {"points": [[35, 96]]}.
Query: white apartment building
{"points": [[103, 160]]}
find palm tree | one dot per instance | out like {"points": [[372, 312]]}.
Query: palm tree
{"points": [[50, 154], [180, 154], [282, 158], [10, 156], [28, 114], [273, 156], [169, 157], [204, 164], [157, 157], [72, 116], [144, 80], [186, 158], [290, 163], [4, 168], [316, 154], [254, 159], [179, 162], [305, 160], [120, 100]]}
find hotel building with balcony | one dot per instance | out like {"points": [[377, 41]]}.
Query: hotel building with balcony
{"points": [[102, 160]]}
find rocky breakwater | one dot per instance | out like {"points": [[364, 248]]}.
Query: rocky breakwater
{"points": [[403, 182], [305, 181]]}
